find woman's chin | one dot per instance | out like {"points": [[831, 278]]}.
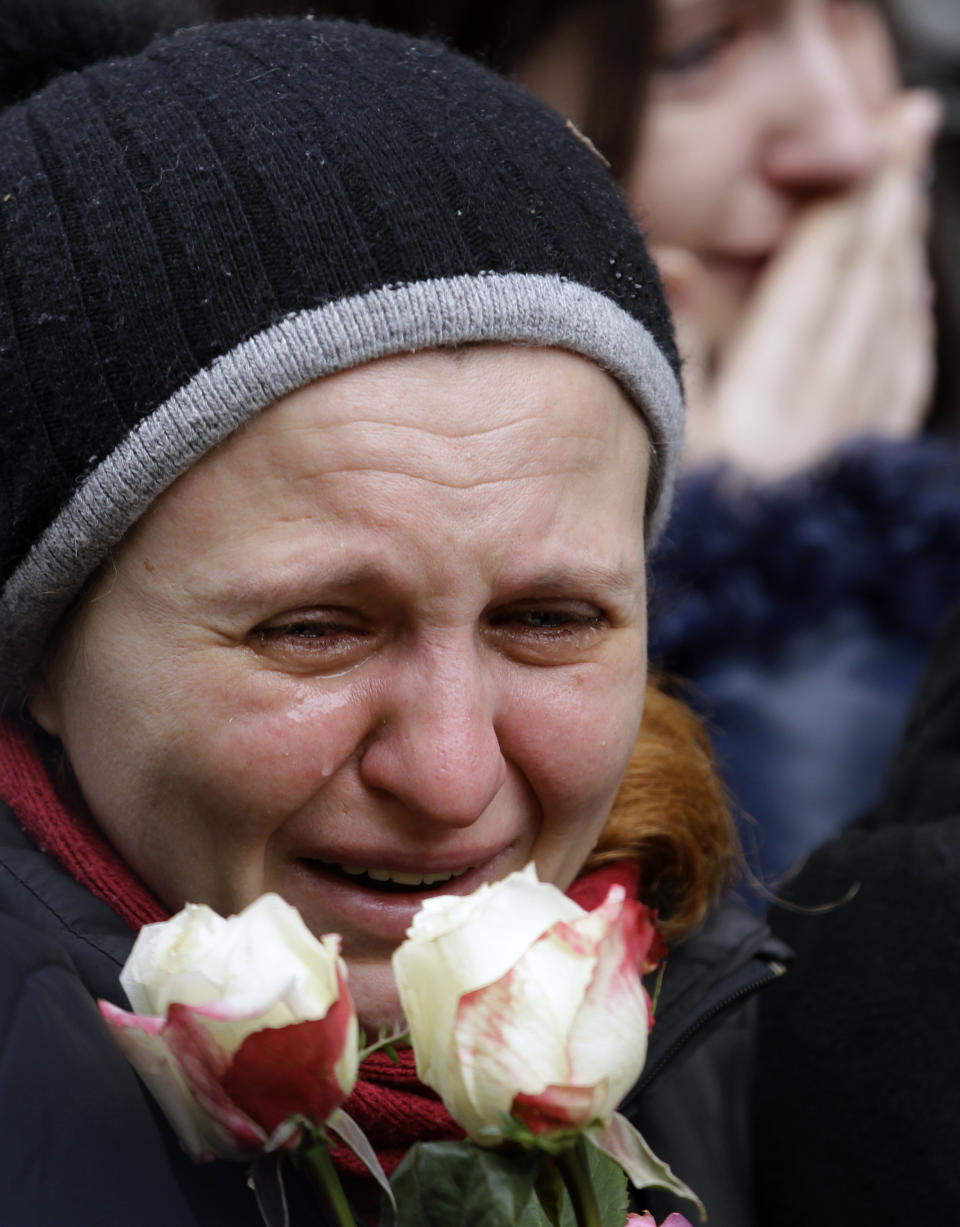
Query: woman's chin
{"points": [[374, 993]]}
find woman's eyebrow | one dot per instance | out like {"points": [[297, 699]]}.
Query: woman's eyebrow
{"points": [[240, 592], [243, 590], [588, 576]]}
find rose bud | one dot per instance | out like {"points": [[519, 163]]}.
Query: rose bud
{"points": [[242, 1028], [521, 1004]]}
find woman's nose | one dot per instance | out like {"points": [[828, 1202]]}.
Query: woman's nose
{"points": [[436, 749], [826, 136]]}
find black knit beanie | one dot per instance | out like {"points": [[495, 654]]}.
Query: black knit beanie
{"points": [[188, 234]]}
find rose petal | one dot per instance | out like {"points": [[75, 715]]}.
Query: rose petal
{"points": [[609, 1036], [144, 1043], [511, 1036], [457, 945], [165, 960], [119, 1019], [203, 1064], [290, 1071], [263, 961], [559, 1109]]}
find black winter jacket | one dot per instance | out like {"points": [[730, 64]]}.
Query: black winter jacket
{"points": [[82, 1143], [858, 1088]]}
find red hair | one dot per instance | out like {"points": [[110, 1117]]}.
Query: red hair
{"points": [[673, 815]]}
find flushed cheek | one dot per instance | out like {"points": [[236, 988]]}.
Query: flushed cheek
{"points": [[572, 741], [267, 754]]}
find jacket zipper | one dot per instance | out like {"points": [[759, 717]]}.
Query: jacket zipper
{"points": [[772, 971]]}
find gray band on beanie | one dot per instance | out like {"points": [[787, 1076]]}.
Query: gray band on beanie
{"points": [[527, 308]]}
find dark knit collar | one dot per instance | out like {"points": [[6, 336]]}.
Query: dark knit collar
{"points": [[744, 566]]}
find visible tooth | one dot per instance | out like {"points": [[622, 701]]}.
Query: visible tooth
{"points": [[415, 879], [402, 879]]}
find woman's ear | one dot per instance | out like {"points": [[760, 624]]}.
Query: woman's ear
{"points": [[49, 682]]}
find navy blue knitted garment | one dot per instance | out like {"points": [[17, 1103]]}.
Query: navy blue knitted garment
{"points": [[745, 566]]}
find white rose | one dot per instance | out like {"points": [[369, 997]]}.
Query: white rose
{"points": [[522, 1004], [525, 1011], [240, 1026]]}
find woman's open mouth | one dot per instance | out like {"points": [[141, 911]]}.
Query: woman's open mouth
{"points": [[390, 881], [377, 903]]}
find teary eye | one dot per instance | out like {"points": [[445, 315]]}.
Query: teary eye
{"points": [[305, 630], [548, 618], [548, 632], [312, 642]]}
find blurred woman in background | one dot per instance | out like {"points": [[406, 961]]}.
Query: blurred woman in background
{"points": [[782, 174]]}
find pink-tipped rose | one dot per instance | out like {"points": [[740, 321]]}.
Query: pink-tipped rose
{"points": [[526, 1010], [522, 1004], [241, 1028]]}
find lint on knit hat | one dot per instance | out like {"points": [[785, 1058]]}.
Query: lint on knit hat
{"points": [[191, 233]]}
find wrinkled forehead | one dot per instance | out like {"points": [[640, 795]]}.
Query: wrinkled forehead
{"points": [[476, 420]]}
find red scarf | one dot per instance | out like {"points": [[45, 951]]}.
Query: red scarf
{"points": [[62, 826], [389, 1103]]}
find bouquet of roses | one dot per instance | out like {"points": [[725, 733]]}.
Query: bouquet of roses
{"points": [[527, 1015]]}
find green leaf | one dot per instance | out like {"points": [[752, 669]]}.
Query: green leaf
{"points": [[440, 1184], [534, 1214], [443, 1183], [609, 1184]]}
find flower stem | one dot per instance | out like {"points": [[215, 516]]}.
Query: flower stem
{"points": [[385, 1042], [316, 1159], [573, 1168]]}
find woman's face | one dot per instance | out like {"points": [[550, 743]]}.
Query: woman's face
{"points": [[387, 640], [755, 108]]}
